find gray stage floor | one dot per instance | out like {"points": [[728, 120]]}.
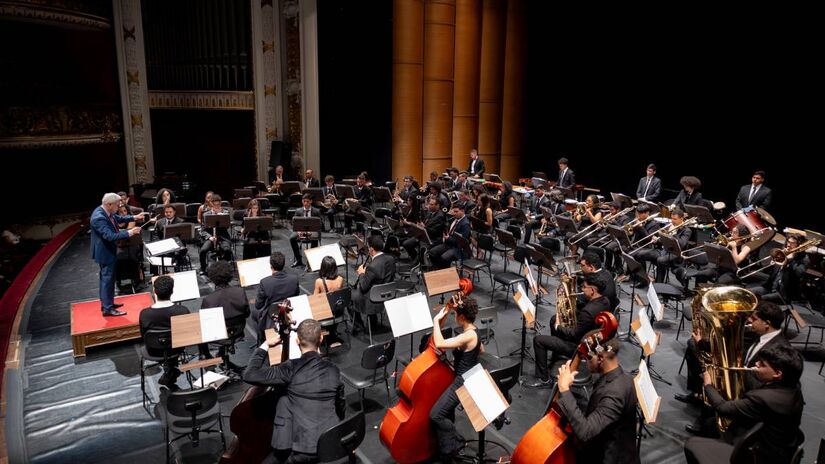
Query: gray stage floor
{"points": [[90, 410]]}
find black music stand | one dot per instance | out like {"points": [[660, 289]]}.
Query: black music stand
{"points": [[619, 235], [182, 231], [290, 187], [701, 213], [163, 255], [517, 214], [258, 224], [624, 200], [316, 193], [419, 232], [395, 226], [479, 225], [670, 244], [215, 221], [634, 268], [566, 224], [721, 256], [344, 191], [307, 224]]}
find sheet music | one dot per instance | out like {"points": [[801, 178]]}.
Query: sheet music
{"points": [[484, 393], [525, 305], [213, 326], [646, 393], [317, 254], [252, 271], [167, 261], [300, 312], [655, 304], [530, 279], [159, 247], [645, 333], [186, 286], [409, 314]]}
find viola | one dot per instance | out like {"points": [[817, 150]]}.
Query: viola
{"points": [[406, 429], [253, 416], [549, 440]]}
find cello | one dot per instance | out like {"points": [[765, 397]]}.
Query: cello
{"points": [[549, 439], [253, 416], [406, 429]]}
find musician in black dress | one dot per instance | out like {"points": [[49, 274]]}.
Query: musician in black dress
{"points": [[256, 243], [586, 223]]}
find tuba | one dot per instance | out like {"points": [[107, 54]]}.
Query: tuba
{"points": [[566, 301], [724, 313]]}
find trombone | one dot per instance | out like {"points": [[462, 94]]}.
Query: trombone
{"points": [[777, 257], [636, 222], [599, 225]]}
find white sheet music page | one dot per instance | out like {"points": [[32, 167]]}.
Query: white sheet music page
{"points": [[317, 254], [162, 246], [252, 271], [525, 305], [186, 286], [645, 332], [653, 300], [300, 313], [484, 393], [213, 326], [646, 393], [530, 279], [409, 314]]}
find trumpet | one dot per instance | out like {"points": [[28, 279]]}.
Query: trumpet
{"points": [[777, 257]]}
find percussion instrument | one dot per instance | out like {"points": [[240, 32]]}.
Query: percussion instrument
{"points": [[747, 217], [719, 205], [766, 216]]}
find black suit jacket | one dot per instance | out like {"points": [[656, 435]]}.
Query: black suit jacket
{"points": [[462, 227], [761, 199], [313, 212], [312, 183], [568, 181], [607, 430], [751, 381], [274, 289], [653, 191], [381, 270], [479, 167], [364, 195], [314, 398], [158, 318], [684, 198], [778, 407], [231, 299], [585, 320], [435, 223]]}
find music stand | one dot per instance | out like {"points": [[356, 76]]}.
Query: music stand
{"points": [[344, 191], [566, 224], [648, 341], [408, 315], [241, 203], [316, 255], [701, 213], [649, 401], [517, 214], [316, 192], [539, 182], [307, 224], [492, 178], [479, 225], [528, 315], [619, 235], [258, 224], [395, 226], [483, 402], [163, 248], [635, 268], [290, 187], [441, 281], [670, 244], [419, 232], [216, 220], [720, 256], [624, 200], [183, 231]]}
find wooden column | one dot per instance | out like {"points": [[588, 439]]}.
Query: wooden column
{"points": [[512, 124], [467, 65], [490, 88], [407, 79], [439, 47]]}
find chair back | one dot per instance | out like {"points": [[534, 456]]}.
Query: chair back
{"points": [[241, 203], [181, 404], [263, 203], [384, 292], [506, 238], [485, 242], [341, 440], [546, 252], [379, 355], [339, 301], [446, 332], [238, 214], [800, 448], [235, 327], [486, 318], [505, 378], [742, 450], [192, 209], [158, 340]]}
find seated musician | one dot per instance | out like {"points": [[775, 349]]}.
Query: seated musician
{"points": [[566, 179], [606, 431], [476, 167], [434, 189], [678, 232], [277, 180], [256, 242], [165, 196], [124, 200], [592, 215], [563, 341], [215, 238], [364, 195], [451, 184], [462, 183], [689, 195], [539, 200], [435, 221], [231, 299], [754, 194], [169, 218], [314, 399], [604, 245], [306, 210], [273, 289], [309, 179], [330, 197], [650, 186], [465, 201], [328, 279], [444, 254], [644, 228], [157, 317], [556, 208], [785, 280], [378, 269], [507, 197], [207, 203], [591, 264], [740, 250], [777, 404], [484, 211], [466, 347]]}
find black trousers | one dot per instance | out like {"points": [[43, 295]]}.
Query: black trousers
{"points": [[556, 346], [442, 255], [224, 251], [288, 457], [293, 243], [442, 416]]}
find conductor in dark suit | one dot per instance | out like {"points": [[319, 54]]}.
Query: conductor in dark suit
{"points": [[273, 289], [105, 234], [566, 179], [755, 194], [476, 167], [378, 269], [650, 186], [606, 431], [777, 404], [306, 210], [314, 398]]}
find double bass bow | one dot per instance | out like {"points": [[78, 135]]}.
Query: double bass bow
{"points": [[406, 429], [252, 418], [549, 439]]}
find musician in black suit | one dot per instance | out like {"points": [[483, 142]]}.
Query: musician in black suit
{"points": [[777, 404], [364, 195], [591, 264], [566, 179], [539, 200], [755, 194], [666, 259], [328, 191], [784, 282], [476, 167], [169, 218], [378, 269], [435, 221], [217, 239], [231, 299], [650, 186], [564, 340], [310, 181], [273, 289], [314, 399], [450, 184], [689, 195], [306, 210], [606, 431], [444, 254], [462, 183], [157, 317]]}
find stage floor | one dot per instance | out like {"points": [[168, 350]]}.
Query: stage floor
{"points": [[89, 409]]}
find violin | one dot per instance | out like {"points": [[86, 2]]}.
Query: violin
{"points": [[549, 439], [253, 416], [406, 429]]}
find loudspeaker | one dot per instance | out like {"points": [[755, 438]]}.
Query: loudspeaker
{"points": [[281, 155]]}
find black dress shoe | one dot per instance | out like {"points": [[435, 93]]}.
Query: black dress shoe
{"points": [[539, 383], [297, 263], [694, 429], [113, 312], [690, 398], [117, 305]]}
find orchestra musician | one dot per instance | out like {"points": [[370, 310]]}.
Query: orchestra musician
{"points": [[740, 251], [328, 191], [462, 183], [466, 348], [664, 259], [310, 181], [604, 246], [277, 180], [548, 223], [566, 179], [785, 280], [464, 200], [207, 203], [563, 341], [306, 210], [442, 255], [217, 239], [158, 317], [256, 242], [689, 195], [777, 404], [231, 299], [476, 167], [539, 200], [453, 182], [165, 196], [124, 201], [756, 194], [435, 221], [364, 195], [484, 211], [591, 264], [436, 193], [379, 268], [169, 218], [328, 279], [650, 186], [606, 430], [592, 215], [314, 399]]}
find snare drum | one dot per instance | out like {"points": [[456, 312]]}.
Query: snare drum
{"points": [[747, 217]]}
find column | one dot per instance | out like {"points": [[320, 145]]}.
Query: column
{"points": [[309, 81], [266, 80], [439, 49], [512, 124], [407, 76], [465, 96], [490, 88]]}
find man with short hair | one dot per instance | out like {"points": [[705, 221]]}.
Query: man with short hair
{"points": [[434, 222], [273, 289], [476, 167], [309, 179], [328, 190], [592, 264], [566, 179], [650, 186], [215, 238], [378, 269], [105, 234], [314, 399], [306, 210], [755, 194], [158, 317], [448, 251]]}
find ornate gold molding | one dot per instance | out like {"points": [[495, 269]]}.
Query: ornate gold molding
{"points": [[33, 127], [59, 140], [55, 11], [202, 100]]}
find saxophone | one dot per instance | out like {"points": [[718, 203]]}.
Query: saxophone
{"points": [[566, 301]]}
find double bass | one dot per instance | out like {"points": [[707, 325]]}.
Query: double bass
{"points": [[549, 439], [406, 429], [252, 418]]}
